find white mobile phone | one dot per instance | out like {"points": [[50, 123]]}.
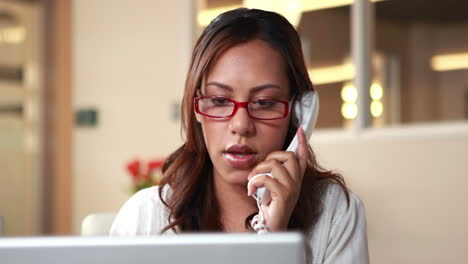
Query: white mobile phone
{"points": [[306, 111]]}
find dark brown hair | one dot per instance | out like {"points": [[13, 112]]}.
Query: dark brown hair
{"points": [[188, 171]]}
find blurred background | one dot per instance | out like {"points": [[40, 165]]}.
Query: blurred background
{"points": [[88, 85]]}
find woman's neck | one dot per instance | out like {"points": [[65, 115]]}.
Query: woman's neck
{"points": [[234, 204]]}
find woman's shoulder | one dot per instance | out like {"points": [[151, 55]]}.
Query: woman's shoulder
{"points": [[338, 200], [143, 199], [340, 233], [143, 214]]}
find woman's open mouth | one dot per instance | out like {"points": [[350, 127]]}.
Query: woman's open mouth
{"points": [[240, 156]]}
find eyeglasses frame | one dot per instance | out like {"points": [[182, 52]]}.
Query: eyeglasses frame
{"points": [[238, 105]]}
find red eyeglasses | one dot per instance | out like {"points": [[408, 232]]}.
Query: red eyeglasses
{"points": [[262, 109]]}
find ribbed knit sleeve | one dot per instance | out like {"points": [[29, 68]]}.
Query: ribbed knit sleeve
{"points": [[340, 236]]}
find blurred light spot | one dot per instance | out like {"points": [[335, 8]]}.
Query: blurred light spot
{"points": [[376, 91], [13, 35], [376, 108], [349, 93], [449, 62], [332, 74], [349, 110]]}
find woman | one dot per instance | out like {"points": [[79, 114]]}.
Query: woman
{"points": [[246, 60]]}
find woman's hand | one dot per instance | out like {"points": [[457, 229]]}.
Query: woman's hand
{"points": [[285, 187]]}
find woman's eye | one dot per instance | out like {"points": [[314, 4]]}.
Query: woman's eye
{"points": [[264, 103], [219, 101]]}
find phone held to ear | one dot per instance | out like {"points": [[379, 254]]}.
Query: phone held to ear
{"points": [[306, 111]]}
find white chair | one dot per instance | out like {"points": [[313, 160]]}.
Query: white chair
{"points": [[97, 224]]}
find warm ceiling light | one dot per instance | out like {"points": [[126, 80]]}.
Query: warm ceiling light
{"points": [[349, 111], [290, 9], [349, 93], [13, 35], [450, 62], [376, 109], [376, 91], [332, 74]]}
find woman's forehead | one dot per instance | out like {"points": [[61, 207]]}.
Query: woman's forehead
{"points": [[253, 65]]}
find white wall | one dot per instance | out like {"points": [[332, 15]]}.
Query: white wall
{"points": [[129, 61], [413, 182]]}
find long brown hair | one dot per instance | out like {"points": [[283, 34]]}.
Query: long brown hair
{"points": [[192, 204]]}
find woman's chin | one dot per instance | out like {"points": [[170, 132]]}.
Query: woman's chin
{"points": [[239, 177], [235, 177]]}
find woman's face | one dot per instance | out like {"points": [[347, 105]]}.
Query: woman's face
{"points": [[245, 72]]}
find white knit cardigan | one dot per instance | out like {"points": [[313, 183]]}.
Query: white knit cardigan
{"points": [[338, 237]]}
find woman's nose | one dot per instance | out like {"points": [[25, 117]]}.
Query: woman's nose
{"points": [[241, 123]]}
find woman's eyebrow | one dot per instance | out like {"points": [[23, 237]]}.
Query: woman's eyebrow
{"points": [[220, 85], [254, 89], [263, 87]]}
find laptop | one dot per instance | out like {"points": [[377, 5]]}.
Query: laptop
{"points": [[272, 248]]}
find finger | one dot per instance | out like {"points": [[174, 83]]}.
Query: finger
{"points": [[303, 151], [289, 161], [277, 169], [272, 184]]}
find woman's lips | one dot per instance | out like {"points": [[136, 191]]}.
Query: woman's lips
{"points": [[240, 160]]}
